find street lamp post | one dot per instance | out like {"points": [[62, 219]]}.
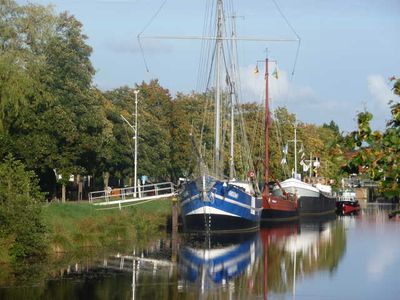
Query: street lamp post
{"points": [[136, 141]]}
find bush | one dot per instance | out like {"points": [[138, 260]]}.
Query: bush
{"points": [[21, 210]]}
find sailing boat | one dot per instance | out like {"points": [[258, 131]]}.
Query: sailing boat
{"points": [[312, 200], [210, 202], [282, 207]]}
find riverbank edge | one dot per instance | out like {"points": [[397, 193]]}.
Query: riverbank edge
{"points": [[73, 227]]}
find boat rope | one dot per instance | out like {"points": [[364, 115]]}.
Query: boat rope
{"points": [[294, 32], [144, 28]]}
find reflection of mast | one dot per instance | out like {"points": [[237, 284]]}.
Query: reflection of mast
{"points": [[133, 276], [294, 270], [266, 246]]}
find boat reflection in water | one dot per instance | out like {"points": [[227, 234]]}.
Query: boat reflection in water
{"points": [[211, 262], [296, 251]]}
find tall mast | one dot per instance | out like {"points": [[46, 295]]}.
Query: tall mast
{"points": [[266, 167], [233, 95], [217, 158], [231, 152]]}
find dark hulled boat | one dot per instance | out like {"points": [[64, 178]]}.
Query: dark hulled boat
{"points": [[311, 200]]}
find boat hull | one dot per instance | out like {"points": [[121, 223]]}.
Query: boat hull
{"points": [[347, 207], [211, 205], [218, 223], [317, 205], [276, 209]]}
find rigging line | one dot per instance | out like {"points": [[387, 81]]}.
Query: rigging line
{"points": [[210, 44], [144, 28], [204, 45], [295, 33], [153, 17], [211, 69], [205, 52], [295, 59], [143, 56], [286, 20]]}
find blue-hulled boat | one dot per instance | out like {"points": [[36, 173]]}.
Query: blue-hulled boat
{"points": [[209, 204]]}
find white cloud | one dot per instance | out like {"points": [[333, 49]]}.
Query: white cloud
{"points": [[381, 94], [282, 90], [379, 90]]}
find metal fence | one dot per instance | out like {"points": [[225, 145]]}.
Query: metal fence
{"points": [[157, 190]]}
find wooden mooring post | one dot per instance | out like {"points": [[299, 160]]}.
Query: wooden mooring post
{"points": [[174, 228]]}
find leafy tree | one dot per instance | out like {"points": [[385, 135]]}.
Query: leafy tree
{"points": [[378, 154], [48, 107], [332, 126], [154, 133], [20, 210]]}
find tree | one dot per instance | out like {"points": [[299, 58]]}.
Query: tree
{"points": [[20, 210], [378, 154], [48, 106]]}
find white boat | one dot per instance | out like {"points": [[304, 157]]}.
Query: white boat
{"points": [[312, 199]]}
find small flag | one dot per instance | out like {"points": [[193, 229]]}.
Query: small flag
{"points": [[256, 70], [275, 73]]}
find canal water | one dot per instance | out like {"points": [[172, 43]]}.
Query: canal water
{"points": [[350, 257]]}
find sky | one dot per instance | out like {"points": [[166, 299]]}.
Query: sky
{"points": [[349, 50]]}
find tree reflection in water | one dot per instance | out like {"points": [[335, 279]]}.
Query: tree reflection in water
{"points": [[295, 251], [264, 264]]}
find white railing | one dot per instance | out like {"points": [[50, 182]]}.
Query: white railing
{"points": [[127, 194]]}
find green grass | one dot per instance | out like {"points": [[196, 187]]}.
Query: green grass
{"points": [[75, 225]]}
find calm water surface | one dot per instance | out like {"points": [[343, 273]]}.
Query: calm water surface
{"points": [[352, 257]]}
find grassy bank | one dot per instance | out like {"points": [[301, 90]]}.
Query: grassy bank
{"points": [[79, 233], [80, 224]]}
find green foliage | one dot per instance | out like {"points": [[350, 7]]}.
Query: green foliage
{"points": [[21, 210], [378, 153]]}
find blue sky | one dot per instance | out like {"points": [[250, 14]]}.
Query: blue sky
{"points": [[349, 50]]}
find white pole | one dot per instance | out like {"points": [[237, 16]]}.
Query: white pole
{"points": [[295, 150], [136, 142], [233, 98], [218, 92]]}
